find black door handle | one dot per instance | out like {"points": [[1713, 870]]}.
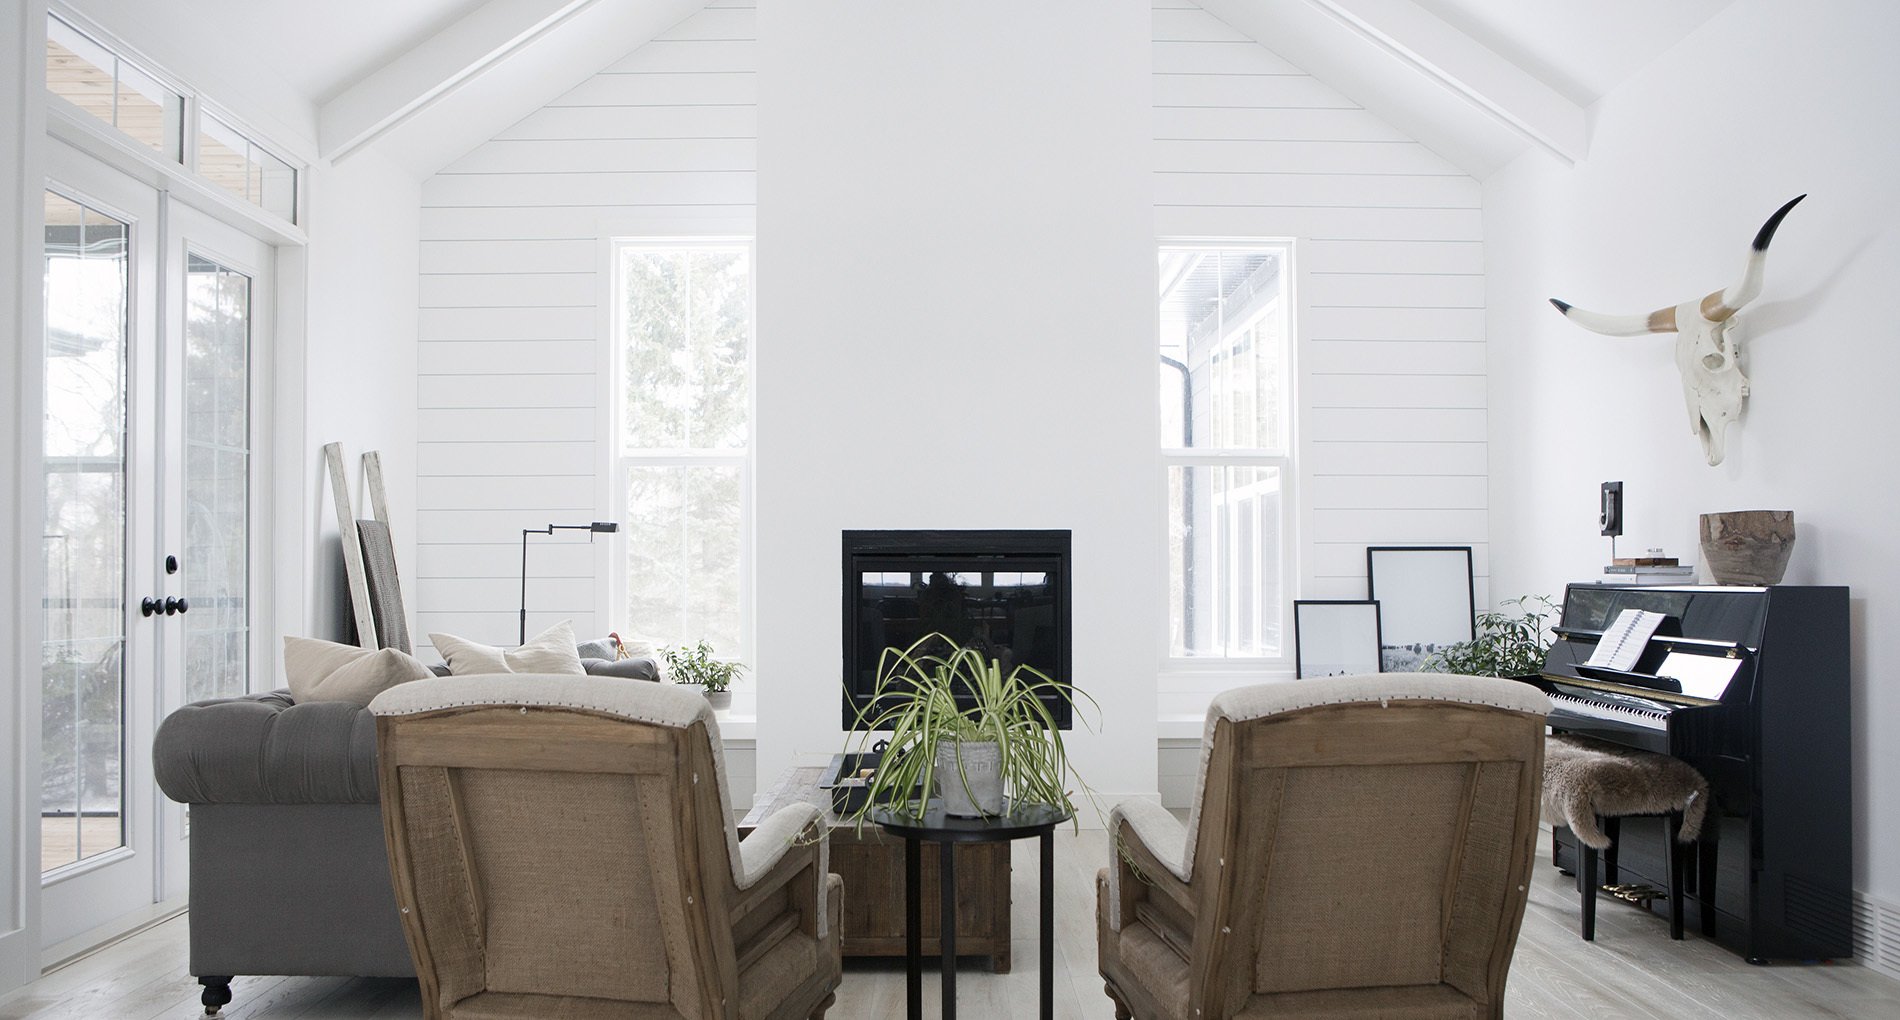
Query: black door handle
{"points": [[148, 606], [174, 606]]}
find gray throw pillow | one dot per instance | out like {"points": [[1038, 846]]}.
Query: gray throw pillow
{"points": [[326, 671]]}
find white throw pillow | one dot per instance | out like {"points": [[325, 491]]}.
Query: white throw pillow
{"points": [[327, 671], [551, 651]]}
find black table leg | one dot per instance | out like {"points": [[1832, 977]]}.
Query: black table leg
{"points": [[913, 932], [1048, 975], [947, 916]]}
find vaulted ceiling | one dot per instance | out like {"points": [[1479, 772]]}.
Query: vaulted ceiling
{"points": [[1480, 81]]}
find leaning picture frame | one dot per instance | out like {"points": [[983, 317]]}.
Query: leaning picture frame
{"points": [[1427, 601], [1335, 637]]}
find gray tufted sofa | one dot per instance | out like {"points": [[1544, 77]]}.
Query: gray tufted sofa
{"points": [[289, 874], [288, 870]]}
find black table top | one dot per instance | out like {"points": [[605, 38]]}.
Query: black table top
{"points": [[937, 827]]}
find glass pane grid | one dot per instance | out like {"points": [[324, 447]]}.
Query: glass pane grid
{"points": [[230, 160], [687, 344], [98, 81], [1224, 406], [686, 332], [83, 547], [217, 479]]}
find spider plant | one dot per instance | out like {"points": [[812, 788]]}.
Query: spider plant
{"points": [[916, 702]]}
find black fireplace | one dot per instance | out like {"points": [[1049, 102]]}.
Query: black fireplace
{"points": [[1004, 592]]}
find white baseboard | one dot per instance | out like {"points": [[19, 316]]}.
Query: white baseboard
{"points": [[86, 943]]}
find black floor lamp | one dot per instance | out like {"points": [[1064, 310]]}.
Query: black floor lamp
{"points": [[596, 528]]}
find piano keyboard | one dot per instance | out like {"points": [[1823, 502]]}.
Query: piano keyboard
{"points": [[1647, 718]]}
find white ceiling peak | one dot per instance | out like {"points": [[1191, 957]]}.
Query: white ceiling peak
{"points": [[486, 71]]}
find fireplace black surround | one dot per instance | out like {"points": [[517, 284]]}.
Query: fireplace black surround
{"points": [[1005, 592]]}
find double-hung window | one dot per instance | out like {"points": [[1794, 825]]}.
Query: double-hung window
{"points": [[683, 326], [1226, 448]]}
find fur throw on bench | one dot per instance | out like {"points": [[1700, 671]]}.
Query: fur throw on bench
{"points": [[1585, 780]]}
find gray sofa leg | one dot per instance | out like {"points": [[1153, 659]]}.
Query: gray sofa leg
{"points": [[217, 992]]}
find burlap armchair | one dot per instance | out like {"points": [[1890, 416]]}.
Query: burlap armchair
{"points": [[1358, 847], [564, 846]]}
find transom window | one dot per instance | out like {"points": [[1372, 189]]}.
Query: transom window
{"points": [[1225, 399], [113, 89], [684, 337], [94, 77]]}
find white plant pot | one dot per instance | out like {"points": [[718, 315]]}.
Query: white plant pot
{"points": [[718, 699], [976, 789]]}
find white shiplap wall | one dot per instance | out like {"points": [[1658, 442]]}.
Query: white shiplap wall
{"points": [[512, 346], [1389, 264]]}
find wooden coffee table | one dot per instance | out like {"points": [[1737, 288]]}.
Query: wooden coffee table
{"points": [[872, 866]]}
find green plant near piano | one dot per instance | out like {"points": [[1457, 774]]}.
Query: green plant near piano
{"points": [[1511, 641]]}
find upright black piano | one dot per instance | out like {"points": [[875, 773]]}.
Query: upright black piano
{"points": [[1750, 686]]}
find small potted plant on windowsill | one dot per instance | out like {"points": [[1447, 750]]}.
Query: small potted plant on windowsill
{"points": [[695, 665], [999, 748]]}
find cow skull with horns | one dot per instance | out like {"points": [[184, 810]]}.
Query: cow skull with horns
{"points": [[1712, 379]]}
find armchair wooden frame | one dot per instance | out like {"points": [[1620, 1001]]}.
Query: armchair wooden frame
{"points": [[1217, 921], [714, 930]]}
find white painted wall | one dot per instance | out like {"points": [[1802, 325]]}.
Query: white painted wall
{"points": [[1766, 101], [955, 305], [355, 374], [662, 143], [513, 327], [1389, 263]]}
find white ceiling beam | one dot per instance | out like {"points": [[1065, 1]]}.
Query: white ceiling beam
{"points": [[503, 61], [1507, 92], [408, 84]]}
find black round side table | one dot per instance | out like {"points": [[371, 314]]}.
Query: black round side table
{"points": [[933, 825]]}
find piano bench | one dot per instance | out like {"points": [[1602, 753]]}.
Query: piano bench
{"points": [[1588, 781]]}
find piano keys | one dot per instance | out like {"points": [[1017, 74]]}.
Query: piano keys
{"points": [[1750, 686]]}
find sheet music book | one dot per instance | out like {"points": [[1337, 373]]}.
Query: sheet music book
{"points": [[1624, 642]]}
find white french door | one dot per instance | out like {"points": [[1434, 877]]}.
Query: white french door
{"points": [[151, 311]]}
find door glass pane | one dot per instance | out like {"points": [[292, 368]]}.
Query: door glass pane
{"points": [[83, 549], [683, 554], [217, 479]]}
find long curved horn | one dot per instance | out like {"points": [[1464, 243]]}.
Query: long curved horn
{"points": [[1662, 320], [1724, 303]]}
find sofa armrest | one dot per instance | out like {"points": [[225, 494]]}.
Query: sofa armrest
{"points": [[265, 749]]}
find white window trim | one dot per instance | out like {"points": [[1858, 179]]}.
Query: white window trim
{"points": [[613, 585], [1282, 459]]}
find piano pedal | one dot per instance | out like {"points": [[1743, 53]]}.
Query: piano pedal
{"points": [[1641, 895]]}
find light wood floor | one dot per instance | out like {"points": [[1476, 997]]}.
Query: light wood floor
{"points": [[1632, 971]]}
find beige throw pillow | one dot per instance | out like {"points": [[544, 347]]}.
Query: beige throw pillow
{"points": [[327, 671], [551, 651]]}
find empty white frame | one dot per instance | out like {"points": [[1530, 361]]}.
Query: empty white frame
{"points": [[1425, 601], [1335, 637]]}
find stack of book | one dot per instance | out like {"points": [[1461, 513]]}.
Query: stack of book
{"points": [[1648, 570]]}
